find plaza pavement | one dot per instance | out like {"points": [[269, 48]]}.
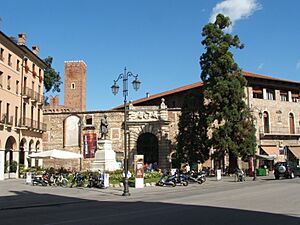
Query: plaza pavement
{"points": [[16, 194]]}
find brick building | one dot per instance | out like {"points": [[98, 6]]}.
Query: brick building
{"points": [[153, 124], [21, 101]]}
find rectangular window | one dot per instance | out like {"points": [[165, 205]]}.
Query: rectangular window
{"points": [[18, 65], [9, 59], [89, 120], [270, 94], [1, 110], [257, 92], [17, 87], [34, 74], [1, 79], [2, 54], [24, 114], [8, 82], [295, 97], [16, 116], [7, 111], [284, 96]]}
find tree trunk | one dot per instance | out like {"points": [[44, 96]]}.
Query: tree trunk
{"points": [[232, 162]]}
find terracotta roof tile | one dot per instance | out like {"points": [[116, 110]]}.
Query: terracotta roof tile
{"points": [[199, 84]]}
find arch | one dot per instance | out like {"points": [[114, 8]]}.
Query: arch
{"points": [[22, 151], [147, 145], [30, 150], [37, 146], [71, 131], [266, 119], [291, 123], [10, 145], [30, 146]]}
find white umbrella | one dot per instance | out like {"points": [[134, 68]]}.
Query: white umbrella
{"points": [[55, 154]]}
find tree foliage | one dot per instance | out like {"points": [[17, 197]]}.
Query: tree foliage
{"points": [[192, 136], [52, 79], [228, 115]]}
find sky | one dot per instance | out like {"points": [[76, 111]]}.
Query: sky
{"points": [[160, 40]]}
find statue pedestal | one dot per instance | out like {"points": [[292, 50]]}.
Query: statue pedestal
{"points": [[105, 157]]}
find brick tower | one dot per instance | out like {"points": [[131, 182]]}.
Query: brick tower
{"points": [[75, 85]]}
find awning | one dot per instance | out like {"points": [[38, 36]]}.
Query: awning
{"points": [[270, 150], [295, 151], [266, 157], [55, 154]]}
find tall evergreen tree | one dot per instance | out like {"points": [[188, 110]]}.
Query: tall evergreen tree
{"points": [[52, 79], [232, 130], [192, 136]]}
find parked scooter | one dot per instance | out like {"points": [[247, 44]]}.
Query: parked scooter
{"points": [[173, 180], [193, 176], [166, 180]]}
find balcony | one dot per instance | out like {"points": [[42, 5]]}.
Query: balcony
{"points": [[7, 121], [278, 131], [40, 99], [27, 123], [34, 96], [27, 93]]}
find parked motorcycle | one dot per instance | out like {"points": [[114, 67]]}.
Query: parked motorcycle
{"points": [[173, 180], [42, 180], [193, 176], [78, 180], [96, 180], [60, 180], [38, 180]]}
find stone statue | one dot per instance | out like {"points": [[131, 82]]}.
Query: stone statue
{"points": [[103, 127]]}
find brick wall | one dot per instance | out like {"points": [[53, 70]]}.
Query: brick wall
{"points": [[75, 85]]}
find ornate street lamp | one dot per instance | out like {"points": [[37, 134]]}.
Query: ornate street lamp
{"points": [[115, 88]]}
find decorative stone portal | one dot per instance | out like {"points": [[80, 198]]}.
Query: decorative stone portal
{"points": [[146, 124], [147, 145]]}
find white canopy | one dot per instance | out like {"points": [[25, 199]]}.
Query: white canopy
{"points": [[55, 154]]}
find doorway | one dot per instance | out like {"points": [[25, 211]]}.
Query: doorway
{"points": [[147, 145]]}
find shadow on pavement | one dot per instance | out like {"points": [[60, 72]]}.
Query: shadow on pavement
{"points": [[32, 208]]}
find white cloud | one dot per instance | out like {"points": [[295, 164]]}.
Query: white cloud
{"points": [[298, 65], [235, 10], [260, 66]]}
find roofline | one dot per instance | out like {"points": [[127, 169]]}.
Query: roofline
{"points": [[199, 84], [165, 93], [24, 48]]}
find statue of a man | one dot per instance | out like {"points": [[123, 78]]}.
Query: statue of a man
{"points": [[103, 127]]}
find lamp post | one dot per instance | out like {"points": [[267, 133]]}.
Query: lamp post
{"points": [[115, 88]]}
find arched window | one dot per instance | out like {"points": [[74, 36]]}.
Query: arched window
{"points": [[292, 123], [71, 131], [266, 122]]}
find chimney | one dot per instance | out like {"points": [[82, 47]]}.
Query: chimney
{"points": [[147, 94], [21, 39], [54, 101], [35, 49]]}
